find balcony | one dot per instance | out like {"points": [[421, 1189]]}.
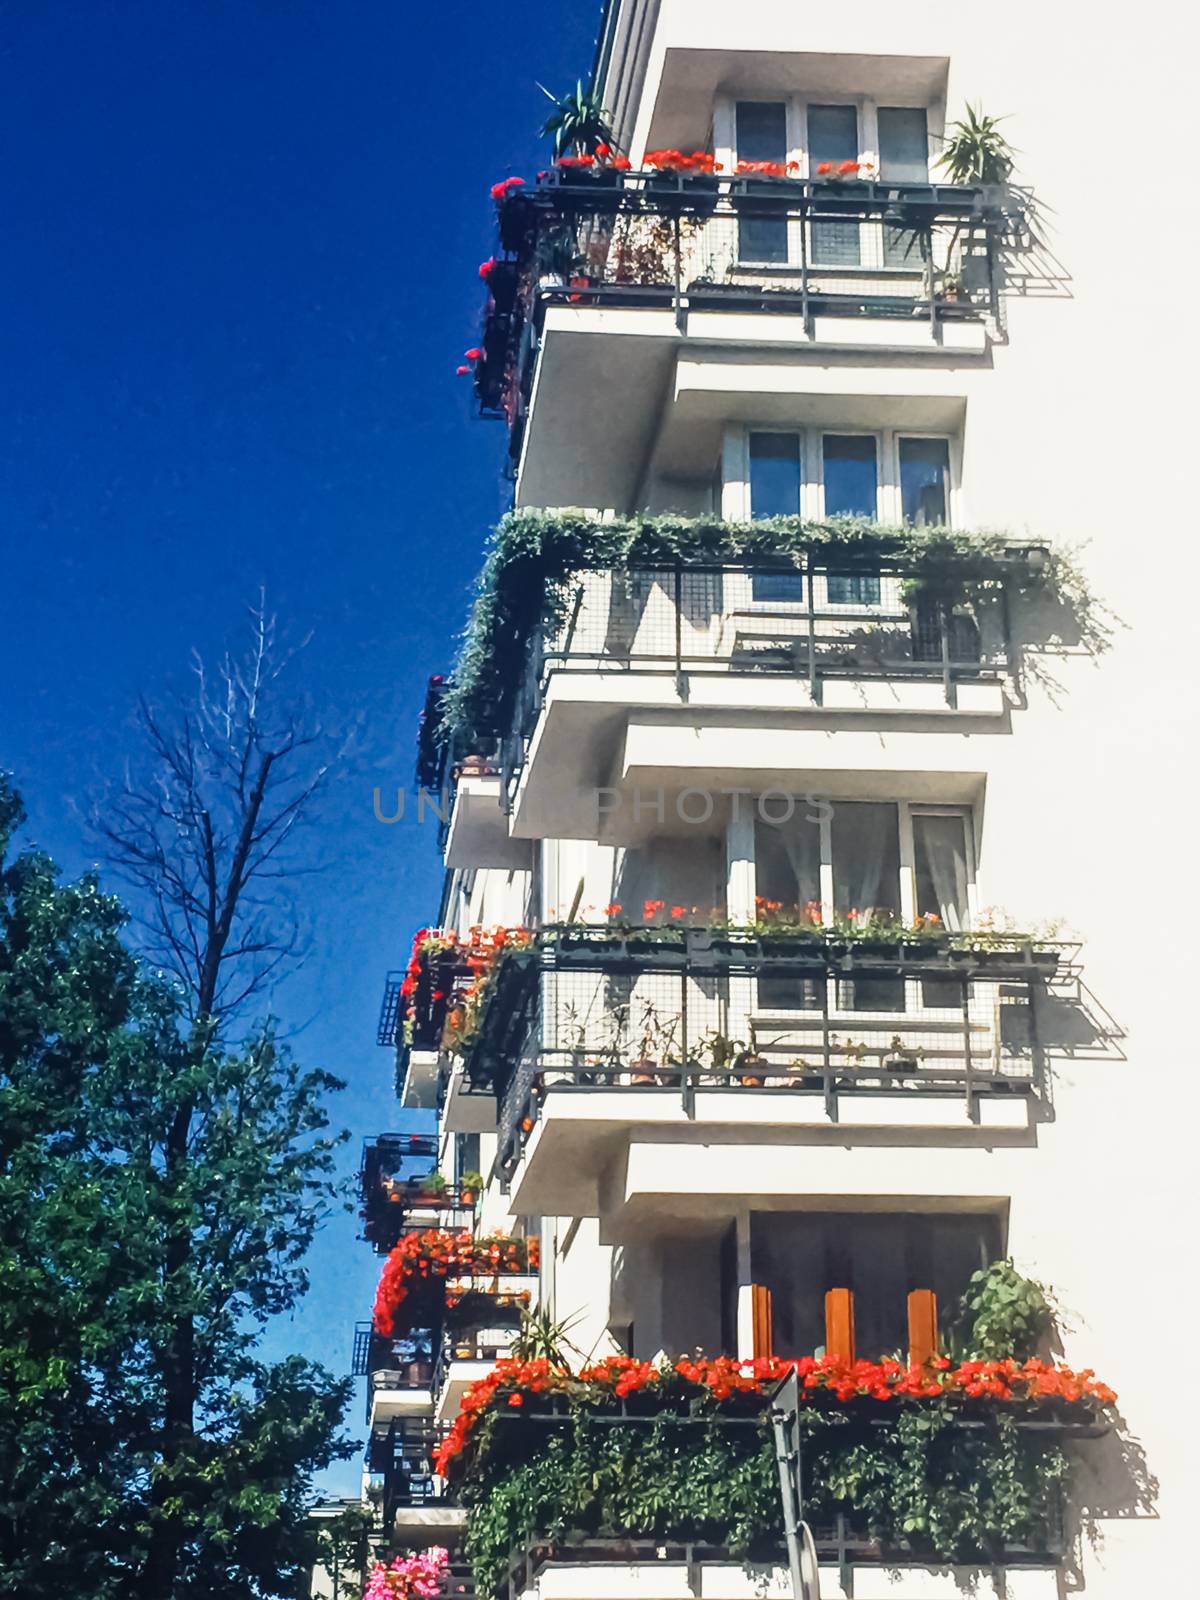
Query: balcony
{"points": [[682, 1495], [649, 659], [394, 1197], [657, 260], [615, 1054]]}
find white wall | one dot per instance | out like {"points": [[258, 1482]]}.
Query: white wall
{"points": [[1079, 430]]}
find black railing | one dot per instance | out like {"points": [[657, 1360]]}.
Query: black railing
{"points": [[696, 1010], [852, 615], [799, 247]]}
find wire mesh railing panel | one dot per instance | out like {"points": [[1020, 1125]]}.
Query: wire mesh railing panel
{"points": [[762, 244], [825, 618]]}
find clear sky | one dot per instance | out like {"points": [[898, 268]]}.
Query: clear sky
{"points": [[237, 272]]}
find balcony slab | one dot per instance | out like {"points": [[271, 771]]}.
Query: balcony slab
{"points": [[388, 1404], [623, 1154], [479, 834], [669, 1580], [420, 1080]]}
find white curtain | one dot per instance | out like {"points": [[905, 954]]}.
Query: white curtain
{"points": [[940, 850], [866, 857]]}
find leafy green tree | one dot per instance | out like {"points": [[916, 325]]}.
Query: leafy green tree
{"points": [[98, 1059]]}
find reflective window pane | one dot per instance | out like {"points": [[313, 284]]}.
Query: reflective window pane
{"points": [[903, 144], [851, 480], [774, 475], [786, 587], [832, 139], [925, 481], [762, 136]]}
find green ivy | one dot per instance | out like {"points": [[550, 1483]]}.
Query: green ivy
{"points": [[925, 1487], [1001, 1314], [532, 555]]}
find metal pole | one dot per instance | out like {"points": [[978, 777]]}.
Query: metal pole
{"points": [[785, 1425]]}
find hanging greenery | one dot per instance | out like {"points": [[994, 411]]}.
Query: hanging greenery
{"points": [[933, 1463], [525, 582]]}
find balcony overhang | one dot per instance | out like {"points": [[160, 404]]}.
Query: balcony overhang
{"points": [[459, 1377], [389, 1403], [467, 1110], [603, 740], [666, 393], [420, 1088], [628, 1156], [479, 835], [691, 78]]}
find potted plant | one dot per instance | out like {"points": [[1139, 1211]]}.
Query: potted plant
{"points": [[469, 1185], [641, 1071], [665, 1047], [975, 151], [752, 1067], [433, 1185], [902, 1058]]}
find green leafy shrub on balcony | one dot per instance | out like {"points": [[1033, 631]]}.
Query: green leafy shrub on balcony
{"points": [[931, 1463], [926, 1487], [525, 582]]}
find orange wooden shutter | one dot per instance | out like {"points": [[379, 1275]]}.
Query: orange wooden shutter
{"points": [[922, 1327], [839, 1323], [760, 1307]]}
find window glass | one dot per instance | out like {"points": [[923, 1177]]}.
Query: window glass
{"points": [[832, 139], [761, 130], [832, 135], [866, 857], [851, 489], [787, 587], [787, 859], [851, 480], [940, 861], [774, 475], [799, 1256], [787, 872], [762, 136], [903, 144], [925, 481]]}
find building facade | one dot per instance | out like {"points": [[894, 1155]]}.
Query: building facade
{"points": [[783, 981]]}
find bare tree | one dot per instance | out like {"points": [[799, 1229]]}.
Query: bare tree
{"points": [[203, 830]]}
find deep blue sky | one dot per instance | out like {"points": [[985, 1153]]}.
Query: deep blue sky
{"points": [[238, 269]]}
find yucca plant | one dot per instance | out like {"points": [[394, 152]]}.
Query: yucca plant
{"points": [[578, 122], [976, 151], [541, 1338]]}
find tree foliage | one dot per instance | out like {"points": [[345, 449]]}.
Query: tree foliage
{"points": [[96, 1058]]}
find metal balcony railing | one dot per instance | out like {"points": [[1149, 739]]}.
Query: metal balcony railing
{"points": [[850, 615], [696, 1009], [796, 247]]}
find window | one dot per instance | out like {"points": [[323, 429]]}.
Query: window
{"points": [[774, 475], [777, 587], [787, 865], [941, 867], [925, 481], [849, 853], [799, 1256], [866, 857], [851, 489], [832, 139], [903, 144], [762, 136]]}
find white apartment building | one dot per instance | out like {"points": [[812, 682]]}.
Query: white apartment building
{"points": [[712, 1126]]}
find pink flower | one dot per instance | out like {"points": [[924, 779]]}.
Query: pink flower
{"points": [[459, 371], [474, 353]]}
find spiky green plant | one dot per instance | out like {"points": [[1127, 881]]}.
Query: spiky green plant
{"points": [[578, 122], [541, 1338], [976, 151]]}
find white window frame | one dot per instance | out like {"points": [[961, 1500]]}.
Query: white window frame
{"points": [[735, 468], [742, 885]]}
